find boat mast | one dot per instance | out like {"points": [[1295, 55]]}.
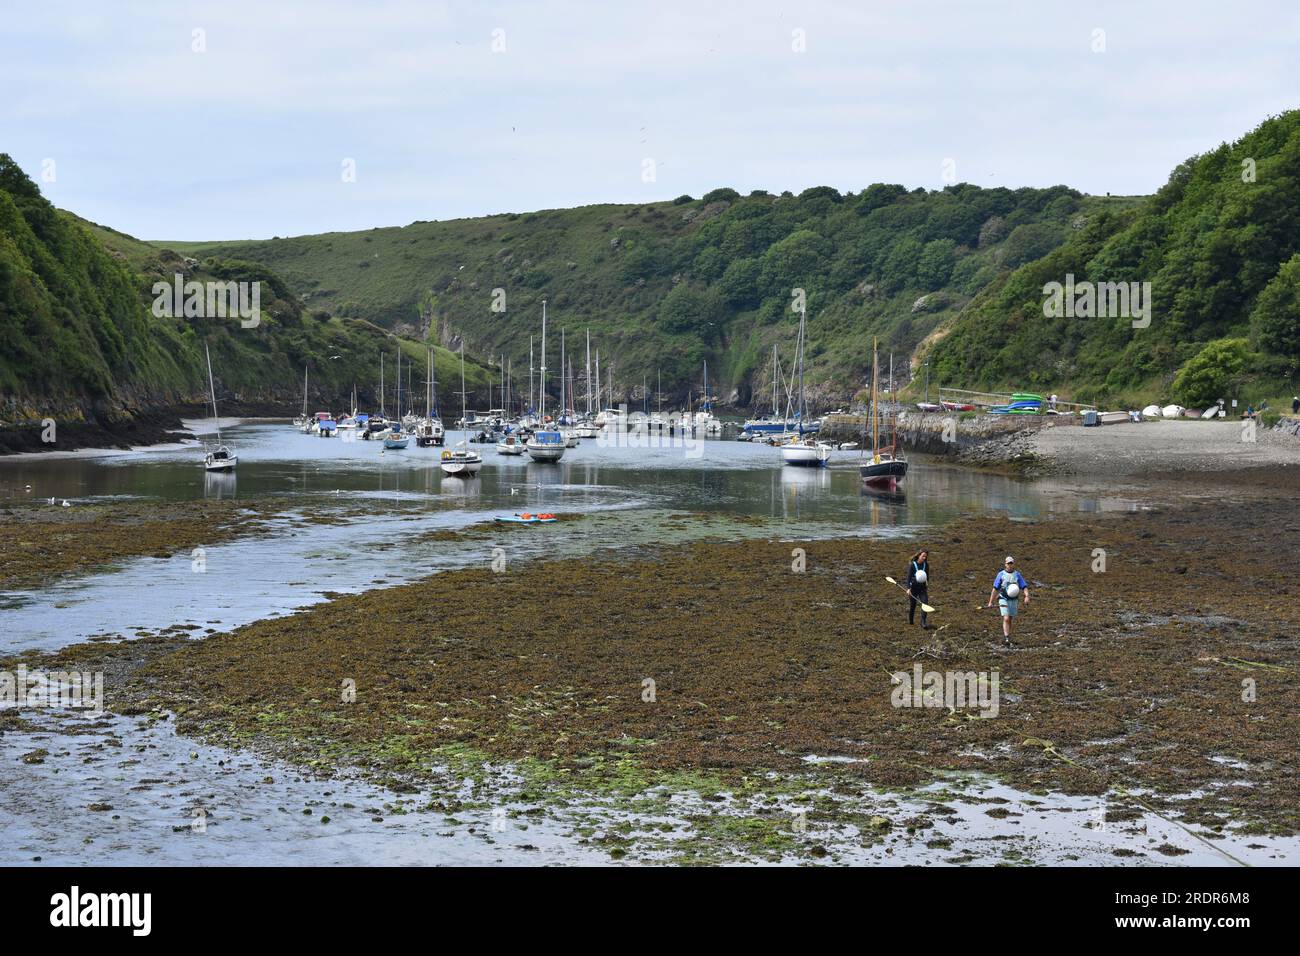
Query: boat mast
{"points": [[775, 409], [462, 383], [562, 405], [304, 388], [381, 385], [541, 391], [875, 410], [212, 390], [803, 315], [589, 373], [598, 388], [531, 384]]}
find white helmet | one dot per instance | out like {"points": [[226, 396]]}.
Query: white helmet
{"points": [[920, 577], [1013, 591]]}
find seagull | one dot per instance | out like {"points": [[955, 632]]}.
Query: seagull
{"points": [[65, 503]]}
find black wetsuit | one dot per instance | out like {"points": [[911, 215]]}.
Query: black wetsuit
{"points": [[920, 592]]}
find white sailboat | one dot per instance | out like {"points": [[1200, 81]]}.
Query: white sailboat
{"points": [[218, 457], [546, 444], [303, 422], [704, 419], [804, 450], [396, 439], [430, 432], [462, 461]]}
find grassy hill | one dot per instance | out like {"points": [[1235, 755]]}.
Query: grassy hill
{"points": [[1220, 245], [664, 286], [79, 340]]}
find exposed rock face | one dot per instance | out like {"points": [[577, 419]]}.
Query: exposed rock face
{"points": [[981, 440]]}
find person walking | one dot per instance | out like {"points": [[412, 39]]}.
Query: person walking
{"points": [[1009, 586], [918, 587], [1295, 405]]}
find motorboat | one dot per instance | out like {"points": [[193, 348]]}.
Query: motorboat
{"points": [[511, 445]]}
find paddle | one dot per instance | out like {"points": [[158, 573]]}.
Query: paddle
{"points": [[924, 607]]}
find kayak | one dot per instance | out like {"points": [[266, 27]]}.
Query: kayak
{"points": [[528, 519]]}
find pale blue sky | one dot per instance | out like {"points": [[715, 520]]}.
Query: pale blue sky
{"points": [[246, 140]]}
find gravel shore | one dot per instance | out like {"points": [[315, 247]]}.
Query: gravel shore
{"points": [[1164, 447]]}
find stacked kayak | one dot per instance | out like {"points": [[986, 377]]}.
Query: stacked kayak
{"points": [[528, 519], [1022, 403]]}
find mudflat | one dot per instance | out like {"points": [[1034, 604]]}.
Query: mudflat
{"points": [[1160, 673]]}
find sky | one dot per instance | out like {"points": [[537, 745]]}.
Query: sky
{"points": [[236, 119]]}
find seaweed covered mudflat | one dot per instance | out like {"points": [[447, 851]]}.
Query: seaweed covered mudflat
{"points": [[1153, 670]]}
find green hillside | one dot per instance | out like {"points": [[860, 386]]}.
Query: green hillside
{"points": [[79, 340], [664, 286], [1220, 245]]}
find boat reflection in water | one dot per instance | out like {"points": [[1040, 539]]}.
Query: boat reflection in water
{"points": [[890, 492], [219, 484]]}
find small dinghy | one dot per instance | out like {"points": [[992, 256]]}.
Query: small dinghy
{"points": [[528, 519]]}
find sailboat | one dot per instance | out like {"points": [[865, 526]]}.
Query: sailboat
{"points": [[430, 431], [219, 457], [546, 444], [462, 462], [772, 424], [396, 439], [886, 466], [303, 422], [350, 421], [804, 450], [704, 419]]}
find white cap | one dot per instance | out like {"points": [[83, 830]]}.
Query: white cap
{"points": [[1010, 559]]}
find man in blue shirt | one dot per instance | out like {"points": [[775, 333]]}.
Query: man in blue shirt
{"points": [[1008, 587]]}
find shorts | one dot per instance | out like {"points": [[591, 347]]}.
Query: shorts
{"points": [[1008, 606]]}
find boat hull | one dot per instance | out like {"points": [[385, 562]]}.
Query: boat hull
{"points": [[545, 452], [883, 472], [220, 464], [459, 468], [807, 456]]}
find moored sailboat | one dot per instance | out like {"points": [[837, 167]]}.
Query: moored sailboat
{"points": [[545, 445], [886, 467], [462, 461], [218, 457], [804, 449]]}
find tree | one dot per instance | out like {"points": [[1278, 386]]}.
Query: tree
{"points": [[739, 283], [934, 268], [1208, 376], [687, 309], [1275, 322], [721, 194], [1031, 241], [795, 261]]}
